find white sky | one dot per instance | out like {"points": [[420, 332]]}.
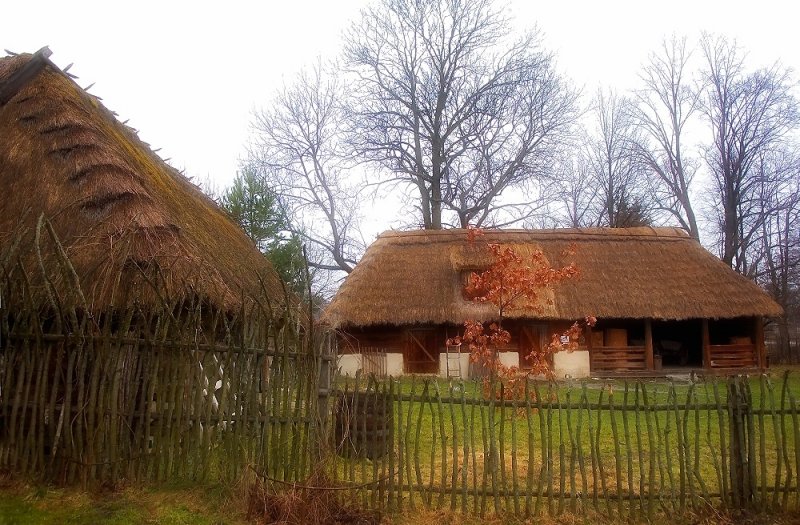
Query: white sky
{"points": [[189, 74]]}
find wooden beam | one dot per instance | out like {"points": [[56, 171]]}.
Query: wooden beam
{"points": [[706, 345], [648, 344], [758, 336]]}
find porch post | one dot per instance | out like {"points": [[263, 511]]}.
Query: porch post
{"points": [[648, 344], [706, 345], [761, 351]]}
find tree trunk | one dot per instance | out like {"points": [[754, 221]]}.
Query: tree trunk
{"points": [[436, 205]]}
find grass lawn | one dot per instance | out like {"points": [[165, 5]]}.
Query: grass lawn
{"points": [[23, 504]]}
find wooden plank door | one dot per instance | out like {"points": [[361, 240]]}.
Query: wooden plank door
{"points": [[422, 351]]}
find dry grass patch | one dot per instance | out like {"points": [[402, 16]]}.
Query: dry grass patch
{"points": [[316, 500]]}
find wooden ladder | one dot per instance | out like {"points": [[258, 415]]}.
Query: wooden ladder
{"points": [[453, 362]]}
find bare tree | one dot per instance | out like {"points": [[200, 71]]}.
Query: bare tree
{"points": [[779, 258], [574, 203], [618, 197], [297, 147], [663, 109], [750, 114], [447, 103]]}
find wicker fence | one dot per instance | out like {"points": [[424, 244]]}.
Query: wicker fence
{"points": [[174, 389], [621, 450], [90, 406]]}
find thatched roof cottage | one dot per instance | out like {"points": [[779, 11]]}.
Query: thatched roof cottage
{"points": [[127, 297], [124, 217], [660, 298]]}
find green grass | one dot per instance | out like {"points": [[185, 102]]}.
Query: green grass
{"points": [[22, 504]]}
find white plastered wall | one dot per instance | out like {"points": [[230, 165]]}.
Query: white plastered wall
{"points": [[457, 359], [573, 364], [349, 364], [508, 359]]}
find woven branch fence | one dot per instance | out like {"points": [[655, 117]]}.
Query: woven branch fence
{"points": [[624, 450], [177, 389]]}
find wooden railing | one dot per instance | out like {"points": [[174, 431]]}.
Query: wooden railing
{"points": [[734, 356], [618, 358]]}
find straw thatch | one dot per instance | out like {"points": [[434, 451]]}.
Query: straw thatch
{"points": [[636, 273], [125, 218]]}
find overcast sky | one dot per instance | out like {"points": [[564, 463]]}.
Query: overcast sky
{"points": [[189, 74]]}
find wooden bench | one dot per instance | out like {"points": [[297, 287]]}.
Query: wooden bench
{"points": [[617, 358]]}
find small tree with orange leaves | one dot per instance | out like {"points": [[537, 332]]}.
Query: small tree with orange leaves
{"points": [[511, 283]]}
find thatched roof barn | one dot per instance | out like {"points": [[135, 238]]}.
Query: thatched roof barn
{"points": [[416, 279], [124, 217]]}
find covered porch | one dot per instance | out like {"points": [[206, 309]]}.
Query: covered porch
{"points": [[646, 347]]}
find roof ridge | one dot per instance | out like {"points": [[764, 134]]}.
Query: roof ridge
{"points": [[637, 233]]}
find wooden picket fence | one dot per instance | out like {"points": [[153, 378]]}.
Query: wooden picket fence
{"points": [[622, 450]]}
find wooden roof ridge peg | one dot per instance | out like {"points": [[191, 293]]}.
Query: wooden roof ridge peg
{"points": [[24, 74]]}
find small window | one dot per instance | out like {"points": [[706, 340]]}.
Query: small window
{"points": [[464, 281]]}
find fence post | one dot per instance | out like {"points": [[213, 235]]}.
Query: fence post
{"points": [[325, 362], [738, 417]]}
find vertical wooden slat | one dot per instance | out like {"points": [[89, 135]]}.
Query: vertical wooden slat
{"points": [[443, 443], [573, 449], [473, 450], [722, 435], [469, 445], [653, 452], [639, 449], [531, 448], [612, 412], [454, 443], [409, 452], [629, 483]]}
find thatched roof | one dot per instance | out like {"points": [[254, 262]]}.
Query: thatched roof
{"points": [[123, 215], [658, 273]]}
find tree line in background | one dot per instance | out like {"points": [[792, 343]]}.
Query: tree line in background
{"points": [[440, 105]]}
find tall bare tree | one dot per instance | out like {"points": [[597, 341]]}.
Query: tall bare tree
{"points": [[618, 196], [447, 102], [663, 108], [778, 261], [751, 114], [298, 148], [574, 203]]}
